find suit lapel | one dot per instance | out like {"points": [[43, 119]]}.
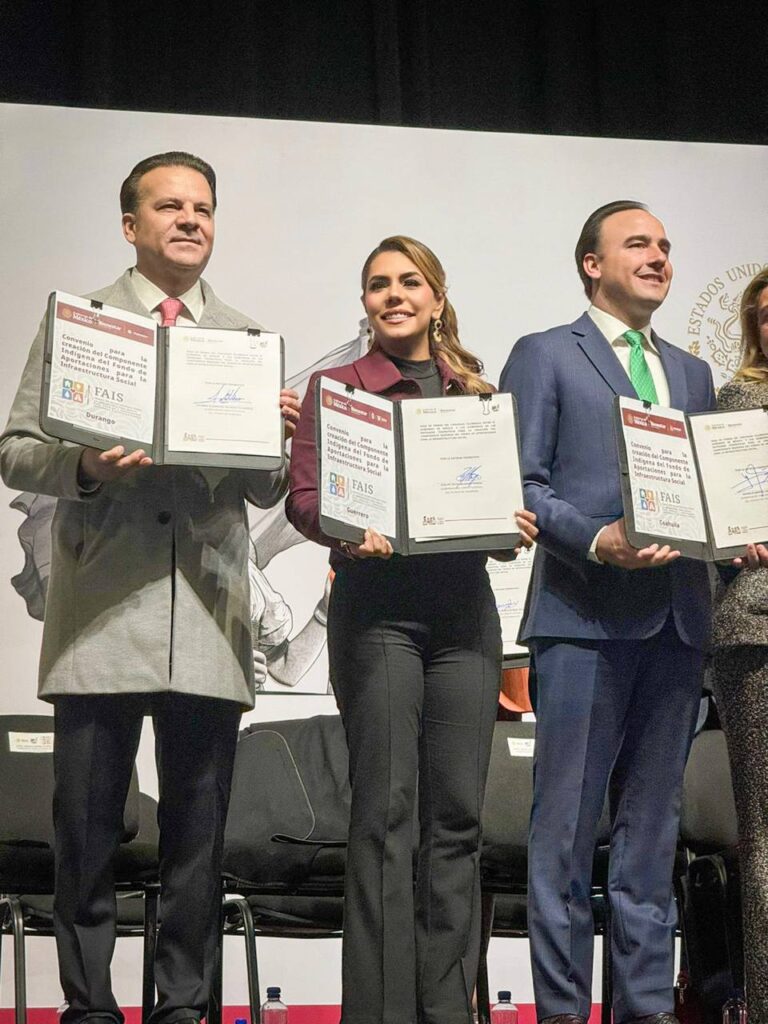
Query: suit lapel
{"points": [[123, 295], [217, 314], [209, 317], [675, 373], [599, 352]]}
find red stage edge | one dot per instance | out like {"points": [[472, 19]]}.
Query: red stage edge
{"points": [[296, 1015]]}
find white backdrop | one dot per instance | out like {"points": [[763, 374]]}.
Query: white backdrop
{"points": [[301, 205]]}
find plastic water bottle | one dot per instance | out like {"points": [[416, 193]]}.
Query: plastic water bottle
{"points": [[735, 1008], [274, 1011], [505, 1011]]}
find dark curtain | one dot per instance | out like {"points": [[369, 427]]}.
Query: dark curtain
{"points": [[676, 70]]}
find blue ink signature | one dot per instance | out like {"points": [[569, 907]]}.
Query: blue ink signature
{"points": [[506, 606], [223, 394], [470, 475], [752, 480]]}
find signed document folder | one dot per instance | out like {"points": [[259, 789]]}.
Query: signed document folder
{"points": [[193, 396], [697, 482], [431, 474], [510, 582]]}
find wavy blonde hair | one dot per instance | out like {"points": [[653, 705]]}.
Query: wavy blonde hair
{"points": [[753, 365], [467, 367]]}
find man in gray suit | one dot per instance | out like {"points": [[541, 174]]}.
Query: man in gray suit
{"points": [[147, 613]]}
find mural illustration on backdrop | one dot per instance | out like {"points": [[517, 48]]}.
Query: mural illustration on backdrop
{"points": [[714, 332]]}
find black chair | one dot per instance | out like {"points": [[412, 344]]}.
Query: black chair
{"points": [[709, 888], [26, 850], [285, 842], [284, 851], [504, 859]]}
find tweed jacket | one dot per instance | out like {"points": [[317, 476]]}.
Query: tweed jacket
{"points": [[741, 605], [148, 590]]}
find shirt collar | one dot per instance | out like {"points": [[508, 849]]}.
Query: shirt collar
{"points": [[151, 296], [613, 328]]}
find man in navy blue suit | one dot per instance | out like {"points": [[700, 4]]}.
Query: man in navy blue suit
{"points": [[617, 635]]}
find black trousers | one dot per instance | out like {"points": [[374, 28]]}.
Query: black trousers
{"points": [[95, 748], [415, 657]]}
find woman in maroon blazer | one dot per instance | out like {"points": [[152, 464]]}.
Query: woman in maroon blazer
{"points": [[415, 655]]}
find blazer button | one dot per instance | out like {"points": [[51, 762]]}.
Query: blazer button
{"points": [[163, 518]]}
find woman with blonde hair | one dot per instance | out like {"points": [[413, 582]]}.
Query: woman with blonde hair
{"points": [[740, 642], [414, 649]]}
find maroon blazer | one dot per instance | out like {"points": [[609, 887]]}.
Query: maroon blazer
{"points": [[373, 372]]}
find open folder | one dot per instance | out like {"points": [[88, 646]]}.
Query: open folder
{"points": [[194, 396], [431, 474], [697, 482]]}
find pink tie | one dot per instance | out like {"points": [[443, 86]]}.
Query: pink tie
{"points": [[169, 310]]}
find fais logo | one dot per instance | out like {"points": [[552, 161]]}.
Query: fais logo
{"points": [[713, 320], [73, 390], [647, 500], [337, 485]]}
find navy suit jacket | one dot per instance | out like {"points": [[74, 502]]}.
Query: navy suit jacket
{"points": [[565, 381]]}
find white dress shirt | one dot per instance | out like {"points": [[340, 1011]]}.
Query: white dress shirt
{"points": [[151, 296], [612, 329]]}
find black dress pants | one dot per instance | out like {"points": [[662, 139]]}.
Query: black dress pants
{"points": [[95, 748], [415, 657]]}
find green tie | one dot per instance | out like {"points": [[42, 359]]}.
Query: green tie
{"points": [[639, 374]]}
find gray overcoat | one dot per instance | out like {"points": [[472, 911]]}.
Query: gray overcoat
{"points": [[148, 590]]}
